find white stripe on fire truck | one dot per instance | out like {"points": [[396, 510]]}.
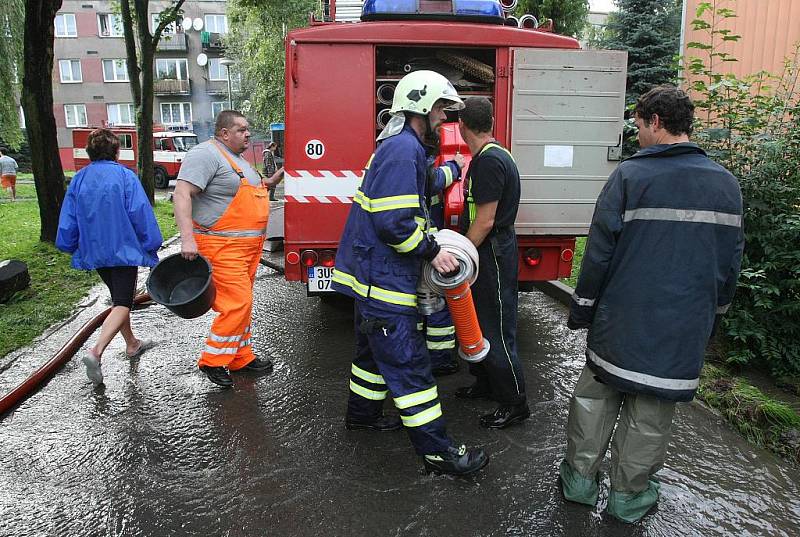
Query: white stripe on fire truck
{"points": [[319, 199], [323, 186]]}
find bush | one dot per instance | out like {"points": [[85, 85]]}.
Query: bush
{"points": [[22, 156], [750, 126]]}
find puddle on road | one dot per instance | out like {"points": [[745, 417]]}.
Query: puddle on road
{"points": [[163, 452]]}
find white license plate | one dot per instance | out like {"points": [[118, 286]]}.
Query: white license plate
{"points": [[319, 279]]}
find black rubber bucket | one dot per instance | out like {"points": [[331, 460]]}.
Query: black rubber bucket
{"points": [[184, 287]]}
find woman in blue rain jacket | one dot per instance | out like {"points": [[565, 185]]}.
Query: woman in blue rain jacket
{"points": [[108, 225]]}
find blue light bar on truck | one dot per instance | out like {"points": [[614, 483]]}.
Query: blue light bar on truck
{"points": [[489, 11]]}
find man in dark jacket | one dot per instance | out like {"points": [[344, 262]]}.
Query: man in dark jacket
{"points": [[661, 263]]}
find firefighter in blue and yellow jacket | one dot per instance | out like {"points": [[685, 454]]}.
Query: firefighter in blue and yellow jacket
{"points": [[379, 262]]}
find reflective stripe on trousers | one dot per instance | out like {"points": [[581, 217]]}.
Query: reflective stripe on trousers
{"points": [[234, 258], [394, 363], [440, 337]]}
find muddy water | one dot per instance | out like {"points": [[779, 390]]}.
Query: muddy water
{"points": [[163, 452]]}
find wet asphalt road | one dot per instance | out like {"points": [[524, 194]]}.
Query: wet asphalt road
{"points": [[163, 452]]}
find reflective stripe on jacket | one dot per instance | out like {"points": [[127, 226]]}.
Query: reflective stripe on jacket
{"points": [[662, 259], [384, 240]]}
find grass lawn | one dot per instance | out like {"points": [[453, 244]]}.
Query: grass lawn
{"points": [[580, 245], [55, 287]]}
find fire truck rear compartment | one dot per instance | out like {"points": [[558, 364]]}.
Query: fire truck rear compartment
{"points": [[470, 70]]}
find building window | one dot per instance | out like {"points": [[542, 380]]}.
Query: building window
{"points": [[236, 81], [216, 24], [175, 27], [121, 114], [65, 25], [70, 71], [176, 113], [75, 115], [115, 70], [217, 107], [172, 69], [217, 71], [125, 141], [109, 25]]}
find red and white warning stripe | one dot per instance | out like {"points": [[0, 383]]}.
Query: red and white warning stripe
{"points": [[321, 186]]}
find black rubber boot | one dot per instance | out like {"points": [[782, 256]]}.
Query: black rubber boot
{"points": [[217, 375], [506, 415], [456, 461], [382, 423], [445, 369]]}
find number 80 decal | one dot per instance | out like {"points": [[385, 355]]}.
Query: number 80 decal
{"points": [[314, 149]]}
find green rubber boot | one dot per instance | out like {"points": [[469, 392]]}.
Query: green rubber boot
{"points": [[630, 507], [576, 487]]}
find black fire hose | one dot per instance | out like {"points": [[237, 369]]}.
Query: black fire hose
{"points": [[41, 375]]}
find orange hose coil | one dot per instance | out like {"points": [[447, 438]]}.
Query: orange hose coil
{"points": [[462, 310]]}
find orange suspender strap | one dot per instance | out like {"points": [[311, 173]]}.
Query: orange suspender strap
{"points": [[235, 166]]}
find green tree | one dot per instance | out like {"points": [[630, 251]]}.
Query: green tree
{"points": [[12, 27], [37, 102], [140, 46], [256, 42], [568, 16], [649, 30], [749, 125]]}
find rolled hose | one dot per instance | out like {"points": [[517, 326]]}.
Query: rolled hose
{"points": [[25, 388], [455, 287]]}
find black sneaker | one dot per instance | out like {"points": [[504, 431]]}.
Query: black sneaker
{"points": [[257, 365], [456, 461], [506, 415], [382, 423], [217, 375]]}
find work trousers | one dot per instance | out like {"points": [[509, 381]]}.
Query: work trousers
{"points": [[234, 262], [495, 297], [391, 359], [644, 427], [440, 337]]}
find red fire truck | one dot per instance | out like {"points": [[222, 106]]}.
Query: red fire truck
{"points": [[557, 107], [169, 148]]}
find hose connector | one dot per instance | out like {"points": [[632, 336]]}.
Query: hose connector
{"points": [[455, 287]]}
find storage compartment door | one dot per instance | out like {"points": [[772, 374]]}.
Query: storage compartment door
{"points": [[330, 135], [567, 116]]}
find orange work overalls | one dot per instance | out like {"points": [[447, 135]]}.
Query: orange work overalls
{"points": [[233, 245]]}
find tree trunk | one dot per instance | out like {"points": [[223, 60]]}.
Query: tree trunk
{"points": [[37, 102], [145, 116]]}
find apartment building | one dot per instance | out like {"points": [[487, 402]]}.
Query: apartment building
{"points": [[90, 79]]}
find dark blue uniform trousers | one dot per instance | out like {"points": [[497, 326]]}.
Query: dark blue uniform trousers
{"points": [[391, 360], [495, 297], [440, 337]]}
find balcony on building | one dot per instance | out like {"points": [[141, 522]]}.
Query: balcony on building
{"points": [[173, 42], [217, 87], [211, 41], [171, 86]]}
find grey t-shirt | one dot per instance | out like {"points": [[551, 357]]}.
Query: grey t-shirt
{"points": [[205, 167], [8, 166]]}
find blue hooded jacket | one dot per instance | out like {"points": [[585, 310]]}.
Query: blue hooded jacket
{"points": [[106, 219]]}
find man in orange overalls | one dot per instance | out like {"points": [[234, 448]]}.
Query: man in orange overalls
{"points": [[221, 209]]}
